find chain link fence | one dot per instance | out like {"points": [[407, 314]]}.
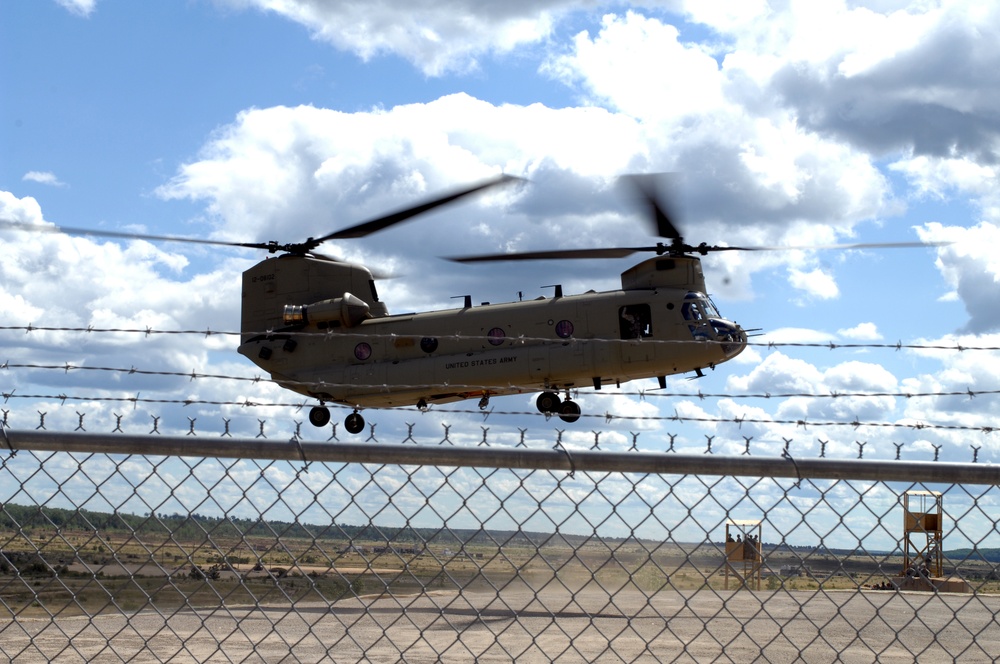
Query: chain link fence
{"points": [[156, 548]]}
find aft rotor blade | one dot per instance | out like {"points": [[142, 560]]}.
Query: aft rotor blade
{"points": [[375, 225], [123, 235], [612, 252]]}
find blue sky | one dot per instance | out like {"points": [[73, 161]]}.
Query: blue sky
{"points": [[254, 120]]}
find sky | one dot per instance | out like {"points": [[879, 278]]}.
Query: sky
{"points": [[783, 123]]}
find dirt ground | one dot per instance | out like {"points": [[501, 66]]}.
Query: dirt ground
{"points": [[522, 623]]}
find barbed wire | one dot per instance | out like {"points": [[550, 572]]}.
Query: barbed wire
{"points": [[606, 416], [66, 367], [765, 444], [147, 331], [827, 345]]}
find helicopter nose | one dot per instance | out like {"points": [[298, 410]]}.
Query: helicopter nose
{"points": [[732, 337]]}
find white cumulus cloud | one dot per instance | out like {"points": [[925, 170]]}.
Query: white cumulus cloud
{"points": [[79, 7], [43, 177]]}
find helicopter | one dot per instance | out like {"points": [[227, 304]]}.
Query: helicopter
{"points": [[318, 327]]}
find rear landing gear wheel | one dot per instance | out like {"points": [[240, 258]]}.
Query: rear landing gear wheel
{"points": [[319, 416], [569, 411], [354, 423], [548, 402]]}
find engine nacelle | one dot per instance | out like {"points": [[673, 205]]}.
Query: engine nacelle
{"points": [[348, 311]]}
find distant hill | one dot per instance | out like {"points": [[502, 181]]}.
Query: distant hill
{"points": [[989, 555]]}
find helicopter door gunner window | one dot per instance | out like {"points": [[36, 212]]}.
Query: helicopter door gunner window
{"points": [[496, 336], [635, 321]]}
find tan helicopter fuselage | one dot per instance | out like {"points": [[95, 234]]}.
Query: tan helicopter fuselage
{"points": [[318, 328]]}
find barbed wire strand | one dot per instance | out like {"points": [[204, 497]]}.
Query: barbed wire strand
{"points": [[67, 367], [827, 345], [607, 416]]}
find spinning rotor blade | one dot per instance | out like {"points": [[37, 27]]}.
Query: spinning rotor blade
{"points": [[860, 245], [660, 249], [302, 248], [650, 189], [122, 235], [648, 186], [556, 254], [375, 225]]}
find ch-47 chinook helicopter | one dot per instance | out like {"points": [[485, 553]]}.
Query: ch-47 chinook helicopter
{"points": [[317, 326]]}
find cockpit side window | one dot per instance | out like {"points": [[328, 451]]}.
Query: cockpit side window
{"points": [[691, 311], [635, 321], [690, 308]]}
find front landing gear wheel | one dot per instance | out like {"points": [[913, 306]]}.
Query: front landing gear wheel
{"points": [[548, 402], [569, 411], [354, 423], [319, 416]]}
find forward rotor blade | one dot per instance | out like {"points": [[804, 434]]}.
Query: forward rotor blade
{"points": [[375, 225], [123, 235], [649, 188], [677, 249], [823, 247]]}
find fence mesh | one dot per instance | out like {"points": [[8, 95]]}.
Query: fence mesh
{"points": [[150, 551]]}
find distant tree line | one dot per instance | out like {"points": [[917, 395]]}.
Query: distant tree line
{"points": [[194, 527], [197, 527]]}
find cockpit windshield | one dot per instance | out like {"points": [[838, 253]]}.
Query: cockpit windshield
{"points": [[698, 306], [710, 308]]}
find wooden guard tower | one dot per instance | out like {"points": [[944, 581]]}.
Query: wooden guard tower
{"points": [[743, 557], [922, 534]]}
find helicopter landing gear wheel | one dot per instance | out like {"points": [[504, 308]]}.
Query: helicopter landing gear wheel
{"points": [[548, 402], [354, 423], [569, 411], [319, 416]]}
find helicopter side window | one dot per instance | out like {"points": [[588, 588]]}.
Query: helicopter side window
{"points": [[635, 321]]}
